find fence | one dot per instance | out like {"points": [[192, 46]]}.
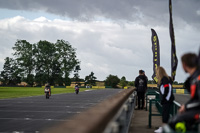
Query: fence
{"points": [[173, 112]]}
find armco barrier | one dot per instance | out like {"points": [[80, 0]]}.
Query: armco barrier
{"points": [[158, 105], [110, 116], [180, 91], [98, 87], [69, 87], [174, 86], [125, 87], [121, 121], [153, 101], [108, 86]]}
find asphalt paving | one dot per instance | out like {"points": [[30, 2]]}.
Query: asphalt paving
{"points": [[34, 114], [182, 98]]}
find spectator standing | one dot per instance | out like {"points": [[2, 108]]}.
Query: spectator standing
{"points": [[145, 77], [166, 94], [147, 83], [141, 85]]}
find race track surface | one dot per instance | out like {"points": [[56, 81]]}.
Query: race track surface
{"points": [[33, 114], [182, 98]]}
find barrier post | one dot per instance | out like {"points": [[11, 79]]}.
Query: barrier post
{"points": [[150, 112]]}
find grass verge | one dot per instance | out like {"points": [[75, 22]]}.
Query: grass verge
{"points": [[15, 92]]}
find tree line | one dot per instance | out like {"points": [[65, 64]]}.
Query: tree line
{"points": [[40, 63], [46, 62]]}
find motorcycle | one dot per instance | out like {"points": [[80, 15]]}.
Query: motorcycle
{"points": [[76, 90], [47, 91]]}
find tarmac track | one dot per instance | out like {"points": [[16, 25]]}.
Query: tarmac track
{"points": [[182, 98], [34, 114]]}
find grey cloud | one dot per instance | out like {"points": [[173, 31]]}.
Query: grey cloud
{"points": [[105, 46], [143, 11]]}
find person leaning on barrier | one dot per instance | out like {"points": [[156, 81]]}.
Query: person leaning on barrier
{"points": [[141, 85], [166, 93], [189, 113]]}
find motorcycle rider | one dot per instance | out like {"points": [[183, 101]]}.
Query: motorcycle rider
{"points": [[76, 88], [189, 113], [48, 87]]}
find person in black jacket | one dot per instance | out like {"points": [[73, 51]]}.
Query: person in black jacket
{"points": [[141, 85], [189, 113], [166, 93]]}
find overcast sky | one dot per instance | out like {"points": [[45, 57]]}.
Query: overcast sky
{"points": [[111, 36]]}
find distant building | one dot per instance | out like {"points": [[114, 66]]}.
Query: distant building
{"points": [[80, 83], [100, 83], [22, 84]]}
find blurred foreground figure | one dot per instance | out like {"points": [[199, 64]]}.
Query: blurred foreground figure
{"points": [[189, 113]]}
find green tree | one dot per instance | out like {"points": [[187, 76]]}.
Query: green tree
{"points": [[10, 74], [56, 76], [131, 83], [151, 82], [175, 83], [90, 79], [30, 79], [41, 62], [23, 54], [76, 73], [6, 73], [67, 57], [123, 82], [112, 80], [54, 62], [44, 57], [67, 81]]}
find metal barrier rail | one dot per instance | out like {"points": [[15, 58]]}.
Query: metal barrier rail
{"points": [[173, 112], [158, 105], [110, 115], [151, 101], [121, 121], [176, 106]]}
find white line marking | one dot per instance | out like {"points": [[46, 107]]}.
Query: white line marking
{"points": [[37, 111], [30, 119]]}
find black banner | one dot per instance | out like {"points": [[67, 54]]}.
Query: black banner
{"points": [[156, 53], [174, 60], [199, 60]]}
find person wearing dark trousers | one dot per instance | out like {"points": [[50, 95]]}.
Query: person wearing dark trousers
{"points": [[146, 86], [166, 94], [189, 113], [141, 85]]}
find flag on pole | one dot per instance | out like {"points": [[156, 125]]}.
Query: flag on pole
{"points": [[156, 53], [174, 60], [198, 60]]}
